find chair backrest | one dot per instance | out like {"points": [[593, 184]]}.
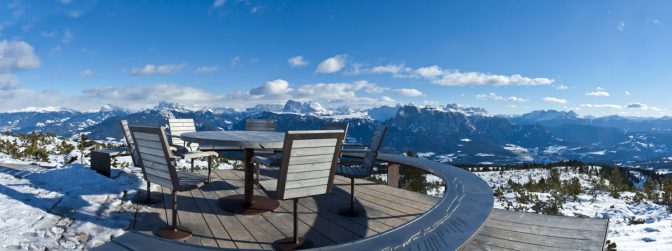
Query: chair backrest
{"points": [[131, 144], [179, 126], [308, 163], [267, 125], [376, 142], [377, 137], [332, 125], [155, 155]]}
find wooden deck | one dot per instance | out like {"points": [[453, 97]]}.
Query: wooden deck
{"points": [[508, 230], [386, 208]]}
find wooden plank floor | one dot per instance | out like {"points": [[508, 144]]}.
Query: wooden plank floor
{"points": [[508, 230], [386, 208]]}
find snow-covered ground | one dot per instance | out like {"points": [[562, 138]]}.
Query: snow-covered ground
{"points": [[67, 206], [653, 234]]}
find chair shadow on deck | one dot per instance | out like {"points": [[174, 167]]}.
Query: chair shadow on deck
{"points": [[71, 187], [322, 228]]}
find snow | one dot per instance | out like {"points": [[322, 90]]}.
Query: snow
{"points": [[68, 206], [653, 234], [43, 211], [45, 109]]}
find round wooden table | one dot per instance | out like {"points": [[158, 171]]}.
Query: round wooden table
{"points": [[247, 203]]}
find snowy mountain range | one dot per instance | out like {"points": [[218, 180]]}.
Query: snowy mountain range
{"points": [[449, 133]]}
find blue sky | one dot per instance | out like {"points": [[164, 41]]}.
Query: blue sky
{"points": [[510, 57]]}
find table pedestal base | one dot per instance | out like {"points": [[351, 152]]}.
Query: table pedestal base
{"points": [[237, 205], [288, 244]]}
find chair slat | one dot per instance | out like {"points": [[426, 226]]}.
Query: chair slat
{"points": [[324, 173], [297, 160], [260, 125], [309, 167], [310, 143], [305, 192], [313, 151]]}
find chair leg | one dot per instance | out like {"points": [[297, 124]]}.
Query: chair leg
{"points": [[258, 172], [209, 167], [294, 242], [149, 199], [174, 198], [352, 194], [149, 194], [175, 232], [350, 211]]}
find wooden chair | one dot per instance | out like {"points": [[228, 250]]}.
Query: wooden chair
{"points": [[274, 159], [362, 148], [184, 150], [159, 166], [133, 149], [265, 157], [267, 125], [307, 169], [363, 171]]}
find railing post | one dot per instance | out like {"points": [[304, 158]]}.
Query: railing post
{"points": [[393, 175]]}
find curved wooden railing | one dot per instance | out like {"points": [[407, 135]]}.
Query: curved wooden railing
{"points": [[449, 225]]}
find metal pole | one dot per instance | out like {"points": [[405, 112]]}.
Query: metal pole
{"points": [[209, 167], [296, 220], [174, 210], [149, 193], [352, 194]]}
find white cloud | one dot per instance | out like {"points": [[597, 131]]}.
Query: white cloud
{"points": [[297, 61], [620, 26], [627, 93], [638, 106], [447, 77], [218, 3], [494, 96], [643, 107], [391, 68], [457, 78], [144, 96], [67, 37], [409, 92], [17, 56], [598, 93], [334, 91], [431, 72], [346, 93], [555, 100], [332, 64], [154, 69], [86, 73], [561, 87], [206, 69], [610, 106], [235, 61], [387, 100], [75, 13], [8, 82], [278, 88], [48, 34]]}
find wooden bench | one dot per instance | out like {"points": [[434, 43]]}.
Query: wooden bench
{"points": [[101, 159]]}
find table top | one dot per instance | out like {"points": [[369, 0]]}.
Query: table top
{"points": [[243, 139]]}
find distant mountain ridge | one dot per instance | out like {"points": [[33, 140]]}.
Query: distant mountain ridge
{"points": [[449, 133]]}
